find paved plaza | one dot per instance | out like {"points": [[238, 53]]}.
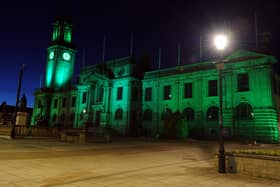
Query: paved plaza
{"points": [[124, 162]]}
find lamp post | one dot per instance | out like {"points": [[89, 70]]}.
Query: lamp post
{"points": [[13, 132], [220, 42]]}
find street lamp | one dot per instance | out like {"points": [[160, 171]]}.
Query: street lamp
{"points": [[13, 132], [221, 42]]}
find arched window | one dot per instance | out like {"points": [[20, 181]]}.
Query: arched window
{"points": [[166, 113], [213, 114], [244, 112], [148, 115], [119, 114], [188, 114]]}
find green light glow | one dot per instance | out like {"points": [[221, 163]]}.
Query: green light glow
{"points": [[67, 36], [49, 73], [51, 55], [62, 75], [66, 56]]}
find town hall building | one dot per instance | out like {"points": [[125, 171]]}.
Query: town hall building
{"points": [[132, 100]]}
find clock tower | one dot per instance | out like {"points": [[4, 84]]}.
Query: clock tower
{"points": [[60, 56]]}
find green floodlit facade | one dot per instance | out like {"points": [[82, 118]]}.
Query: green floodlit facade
{"points": [[119, 95]]}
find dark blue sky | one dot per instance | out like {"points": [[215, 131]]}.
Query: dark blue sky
{"points": [[26, 32]]}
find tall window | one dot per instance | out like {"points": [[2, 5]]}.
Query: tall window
{"points": [[213, 114], [212, 88], [134, 93], [167, 92], [100, 94], [73, 101], [63, 102], [188, 90], [244, 112], [188, 114], [119, 93], [84, 97], [55, 103], [243, 82], [148, 94], [119, 114]]}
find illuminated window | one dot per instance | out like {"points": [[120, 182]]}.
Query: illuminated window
{"points": [[244, 112], [188, 90], [212, 88], [188, 114], [166, 113], [119, 93], [84, 97], [148, 94], [167, 92], [73, 102], [243, 82], [213, 114], [148, 115], [119, 114]]}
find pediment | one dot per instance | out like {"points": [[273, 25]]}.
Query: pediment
{"points": [[245, 54]]}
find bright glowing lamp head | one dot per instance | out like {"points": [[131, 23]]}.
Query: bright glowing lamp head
{"points": [[220, 41]]}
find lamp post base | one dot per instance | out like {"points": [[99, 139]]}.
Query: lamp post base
{"points": [[222, 167]]}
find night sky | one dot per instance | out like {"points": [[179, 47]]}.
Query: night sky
{"points": [[26, 28]]}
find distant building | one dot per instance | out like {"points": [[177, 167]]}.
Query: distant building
{"points": [[119, 94]]}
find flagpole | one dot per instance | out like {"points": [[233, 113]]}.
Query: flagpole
{"points": [[131, 45], [179, 54], [83, 60], [200, 48], [159, 58], [256, 30], [103, 49]]}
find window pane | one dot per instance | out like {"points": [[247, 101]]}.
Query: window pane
{"points": [[73, 102], [64, 102], [244, 112], [243, 82], [100, 93], [167, 93], [119, 114], [213, 114], [148, 94], [84, 97], [212, 88], [134, 93], [188, 90], [119, 93], [188, 114]]}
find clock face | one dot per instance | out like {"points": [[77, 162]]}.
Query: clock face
{"points": [[66, 56], [51, 55]]}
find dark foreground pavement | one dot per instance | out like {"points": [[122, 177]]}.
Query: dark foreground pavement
{"points": [[126, 162]]}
